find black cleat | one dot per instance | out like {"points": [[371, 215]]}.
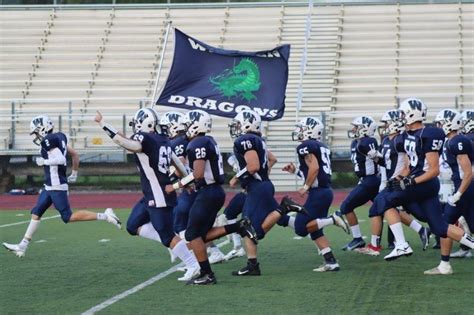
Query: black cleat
{"points": [[288, 205], [249, 270], [246, 230], [425, 237], [203, 279]]}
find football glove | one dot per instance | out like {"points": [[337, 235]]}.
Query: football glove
{"points": [[374, 154], [400, 184], [39, 161], [454, 198], [72, 178]]}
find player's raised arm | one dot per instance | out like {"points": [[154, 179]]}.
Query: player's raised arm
{"points": [[128, 144]]}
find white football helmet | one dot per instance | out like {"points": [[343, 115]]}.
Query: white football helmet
{"points": [[197, 121], [468, 121], [244, 122], [393, 122], [449, 120], [413, 110], [40, 126], [308, 128], [363, 126], [145, 120], [173, 121]]}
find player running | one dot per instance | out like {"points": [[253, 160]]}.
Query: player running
{"points": [[53, 150], [314, 168]]}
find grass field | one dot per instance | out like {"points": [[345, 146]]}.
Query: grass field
{"points": [[67, 269]]}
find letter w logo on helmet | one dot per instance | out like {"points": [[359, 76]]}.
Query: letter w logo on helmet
{"points": [[311, 122], [173, 117], [249, 117], [394, 114], [195, 116], [366, 121], [449, 115], [415, 104]]}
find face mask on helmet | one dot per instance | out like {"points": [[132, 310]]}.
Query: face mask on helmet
{"points": [[308, 128], [197, 122], [468, 121], [449, 120], [413, 110], [393, 123], [244, 122], [146, 120], [363, 126], [40, 126], [173, 123]]}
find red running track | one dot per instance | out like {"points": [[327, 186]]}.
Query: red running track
{"points": [[81, 200]]}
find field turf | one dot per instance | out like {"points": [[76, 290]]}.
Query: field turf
{"points": [[68, 269]]}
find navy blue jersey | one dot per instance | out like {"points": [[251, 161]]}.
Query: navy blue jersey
{"points": [[392, 160], [252, 142], [322, 154], [206, 148], [154, 163], [453, 147], [363, 166], [417, 143], [470, 136], [54, 175], [179, 145]]}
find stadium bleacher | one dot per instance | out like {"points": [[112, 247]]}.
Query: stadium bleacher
{"points": [[360, 59]]}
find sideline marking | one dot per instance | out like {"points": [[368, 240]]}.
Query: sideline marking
{"points": [[138, 287], [23, 222]]}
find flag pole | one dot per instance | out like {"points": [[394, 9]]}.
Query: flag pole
{"points": [[160, 66]]}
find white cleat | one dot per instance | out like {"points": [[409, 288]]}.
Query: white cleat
{"points": [[16, 249], [113, 218], [340, 222], [398, 251], [216, 256], [235, 253], [190, 273], [327, 267], [369, 250], [461, 253], [440, 271], [182, 269]]}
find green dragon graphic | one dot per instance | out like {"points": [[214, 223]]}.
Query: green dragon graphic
{"points": [[242, 80]]}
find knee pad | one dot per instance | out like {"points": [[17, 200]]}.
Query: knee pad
{"points": [[260, 233], [191, 233], [131, 229], [440, 230], [317, 234], [166, 237], [66, 216], [300, 228]]}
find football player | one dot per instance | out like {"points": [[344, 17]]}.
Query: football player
{"points": [[53, 150], [314, 159], [362, 133], [459, 155], [417, 186], [152, 216], [260, 206], [207, 174], [391, 163]]}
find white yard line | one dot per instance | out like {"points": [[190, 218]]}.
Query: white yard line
{"points": [[137, 288], [23, 222]]}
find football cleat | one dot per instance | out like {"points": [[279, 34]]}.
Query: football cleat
{"points": [[216, 256], [439, 271], [425, 237], [340, 222], [190, 273], [398, 251], [391, 246], [369, 250], [249, 270], [203, 279], [112, 218], [246, 230], [355, 243], [16, 249], [461, 253], [239, 252], [288, 205], [327, 267]]}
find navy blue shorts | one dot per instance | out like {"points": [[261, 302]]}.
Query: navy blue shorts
{"points": [[181, 211], [235, 206], [366, 190], [209, 200], [464, 207], [377, 207], [318, 202], [58, 198], [160, 218], [259, 204]]}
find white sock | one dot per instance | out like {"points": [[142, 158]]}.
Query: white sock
{"points": [[325, 250], [467, 240], [24, 243], [356, 233], [324, 222], [374, 240], [32, 227], [397, 230], [444, 264], [148, 231], [291, 222], [415, 226], [101, 216], [182, 252], [237, 240]]}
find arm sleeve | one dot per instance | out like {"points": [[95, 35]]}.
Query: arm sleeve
{"points": [[179, 165], [55, 157], [129, 144]]}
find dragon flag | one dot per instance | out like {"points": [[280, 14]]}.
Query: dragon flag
{"points": [[224, 82]]}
